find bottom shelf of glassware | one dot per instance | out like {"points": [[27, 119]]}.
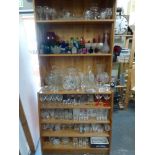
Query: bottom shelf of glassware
{"points": [[70, 148]]}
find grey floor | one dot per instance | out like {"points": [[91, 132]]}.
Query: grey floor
{"points": [[123, 137]]}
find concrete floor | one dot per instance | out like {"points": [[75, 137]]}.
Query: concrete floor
{"points": [[123, 137]]}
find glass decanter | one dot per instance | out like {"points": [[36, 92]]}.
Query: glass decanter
{"points": [[90, 80], [106, 47]]}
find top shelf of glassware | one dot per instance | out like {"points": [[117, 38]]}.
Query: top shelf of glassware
{"points": [[73, 11], [83, 21]]}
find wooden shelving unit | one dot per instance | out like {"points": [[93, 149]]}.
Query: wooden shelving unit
{"points": [[67, 29]]}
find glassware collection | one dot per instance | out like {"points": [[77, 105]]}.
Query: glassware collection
{"points": [[54, 44], [81, 128], [99, 142], [75, 100], [75, 114], [72, 79], [92, 12]]}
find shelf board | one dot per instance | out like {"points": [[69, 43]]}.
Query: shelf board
{"points": [[58, 121], [120, 86], [82, 106], [70, 21], [47, 146], [75, 55], [119, 35], [120, 62], [72, 133], [72, 92]]}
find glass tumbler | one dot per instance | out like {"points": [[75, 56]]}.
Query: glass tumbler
{"points": [[75, 142], [39, 12], [103, 14], [46, 13], [108, 13]]}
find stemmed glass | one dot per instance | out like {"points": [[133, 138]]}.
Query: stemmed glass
{"points": [[106, 98], [98, 97], [42, 98]]}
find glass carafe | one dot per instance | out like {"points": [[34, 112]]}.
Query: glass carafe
{"points": [[90, 80]]}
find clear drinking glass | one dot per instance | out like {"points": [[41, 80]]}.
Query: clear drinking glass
{"points": [[52, 13], [57, 127], [75, 142], [59, 98], [84, 142], [51, 113], [106, 97], [103, 14], [80, 142], [48, 98], [107, 127], [108, 13], [46, 12], [67, 14], [39, 12], [45, 114], [65, 140], [56, 141], [88, 14], [42, 98], [104, 115], [95, 9]]}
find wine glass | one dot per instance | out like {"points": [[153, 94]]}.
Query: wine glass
{"points": [[42, 98], [106, 98], [98, 98]]}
